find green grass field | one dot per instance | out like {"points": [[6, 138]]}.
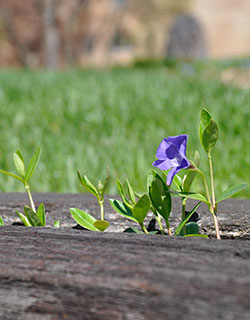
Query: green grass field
{"points": [[89, 120]]}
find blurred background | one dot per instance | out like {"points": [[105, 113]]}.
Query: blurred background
{"points": [[62, 33], [100, 83]]}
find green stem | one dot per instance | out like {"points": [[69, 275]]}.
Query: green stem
{"points": [[143, 228], [212, 178], [158, 219], [213, 206], [216, 225], [184, 212], [168, 227], [27, 187], [101, 209]]}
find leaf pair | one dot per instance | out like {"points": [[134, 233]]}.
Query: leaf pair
{"points": [[24, 174], [88, 221], [31, 218]]}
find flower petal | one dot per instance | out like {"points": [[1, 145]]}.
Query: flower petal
{"points": [[163, 164], [180, 141], [184, 163], [171, 175], [161, 151]]}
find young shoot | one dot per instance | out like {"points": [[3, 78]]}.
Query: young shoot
{"points": [[83, 218], [31, 216]]}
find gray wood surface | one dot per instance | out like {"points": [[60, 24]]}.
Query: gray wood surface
{"points": [[57, 274]]}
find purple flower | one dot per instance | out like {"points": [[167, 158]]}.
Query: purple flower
{"points": [[171, 154]]}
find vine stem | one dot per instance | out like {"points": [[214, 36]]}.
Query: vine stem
{"points": [[101, 210], [143, 228], [158, 219], [184, 212], [27, 187], [168, 227], [217, 230], [213, 208], [212, 178]]}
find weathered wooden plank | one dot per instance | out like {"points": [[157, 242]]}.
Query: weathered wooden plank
{"points": [[62, 274], [54, 274]]}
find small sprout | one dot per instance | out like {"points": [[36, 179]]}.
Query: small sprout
{"points": [[1, 221], [83, 218], [31, 217]]}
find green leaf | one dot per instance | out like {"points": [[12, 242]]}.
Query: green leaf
{"points": [[190, 228], [12, 175], [191, 195], [133, 230], [101, 224], [184, 221], [210, 136], [160, 197], [1, 221], [231, 191], [131, 192], [41, 214], [122, 209], [19, 153], [196, 235], [19, 163], [121, 191], [32, 164], [204, 121], [141, 208], [191, 173], [83, 219], [24, 220], [32, 217], [57, 224], [87, 184]]}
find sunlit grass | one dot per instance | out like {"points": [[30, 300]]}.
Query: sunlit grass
{"points": [[89, 120]]}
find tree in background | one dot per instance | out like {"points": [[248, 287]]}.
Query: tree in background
{"points": [[53, 33]]}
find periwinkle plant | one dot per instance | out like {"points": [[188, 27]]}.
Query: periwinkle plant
{"points": [[158, 200], [172, 155]]}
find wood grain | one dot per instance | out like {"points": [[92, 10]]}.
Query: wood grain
{"points": [[57, 274]]}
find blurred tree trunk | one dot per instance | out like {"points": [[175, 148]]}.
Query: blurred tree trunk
{"points": [[7, 17], [51, 38]]}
